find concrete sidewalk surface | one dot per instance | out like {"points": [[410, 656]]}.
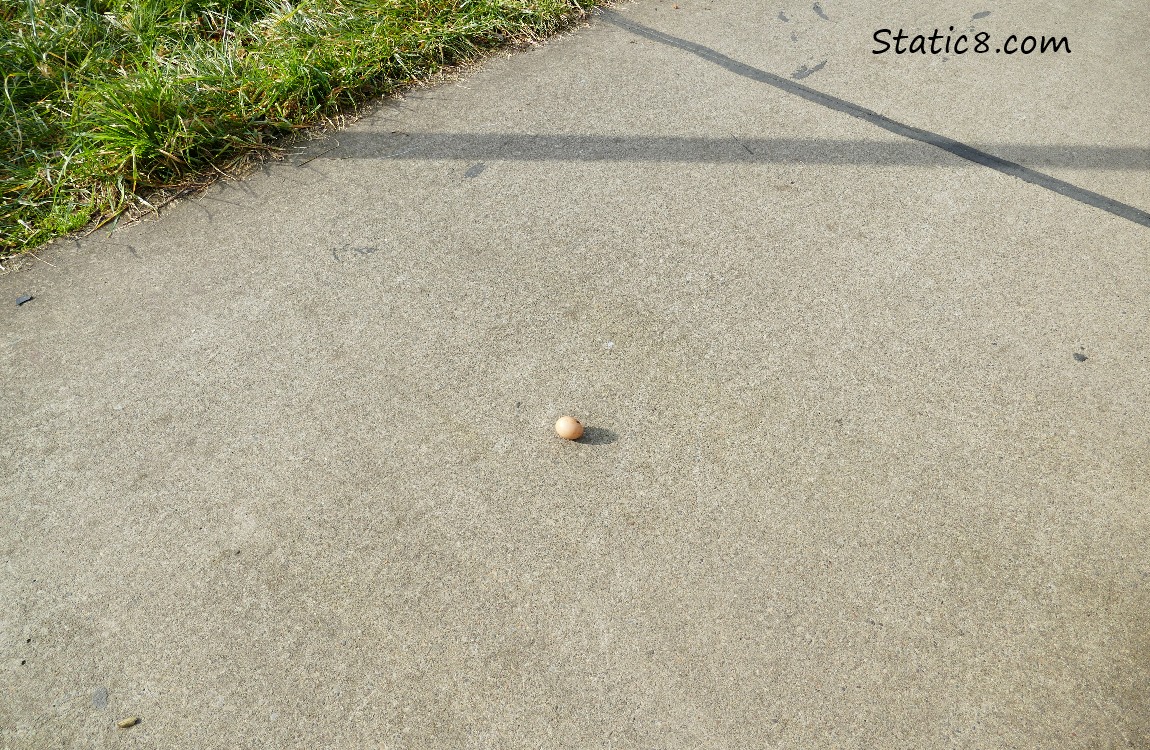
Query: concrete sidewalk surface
{"points": [[867, 462]]}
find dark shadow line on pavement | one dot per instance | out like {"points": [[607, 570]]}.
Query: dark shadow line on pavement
{"points": [[565, 147], [950, 145]]}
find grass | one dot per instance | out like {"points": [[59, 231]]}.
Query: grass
{"points": [[104, 102]]}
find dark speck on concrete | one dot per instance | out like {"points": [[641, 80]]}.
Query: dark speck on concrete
{"points": [[981, 14], [25, 298], [783, 17], [474, 170], [819, 9], [804, 71], [1079, 356], [100, 698]]}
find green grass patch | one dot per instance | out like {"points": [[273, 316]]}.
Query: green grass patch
{"points": [[103, 102]]}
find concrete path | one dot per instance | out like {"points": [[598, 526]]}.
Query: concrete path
{"points": [[868, 465]]}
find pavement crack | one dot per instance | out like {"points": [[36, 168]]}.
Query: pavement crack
{"points": [[950, 145]]}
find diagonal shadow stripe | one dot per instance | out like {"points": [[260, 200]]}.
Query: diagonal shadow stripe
{"points": [[959, 149]]}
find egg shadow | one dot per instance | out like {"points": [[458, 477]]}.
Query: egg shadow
{"points": [[598, 436]]}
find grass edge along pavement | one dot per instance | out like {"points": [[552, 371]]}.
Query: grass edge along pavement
{"points": [[104, 103]]}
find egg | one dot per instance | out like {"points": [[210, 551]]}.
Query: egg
{"points": [[569, 428]]}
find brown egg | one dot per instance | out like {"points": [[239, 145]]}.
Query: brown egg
{"points": [[569, 428]]}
